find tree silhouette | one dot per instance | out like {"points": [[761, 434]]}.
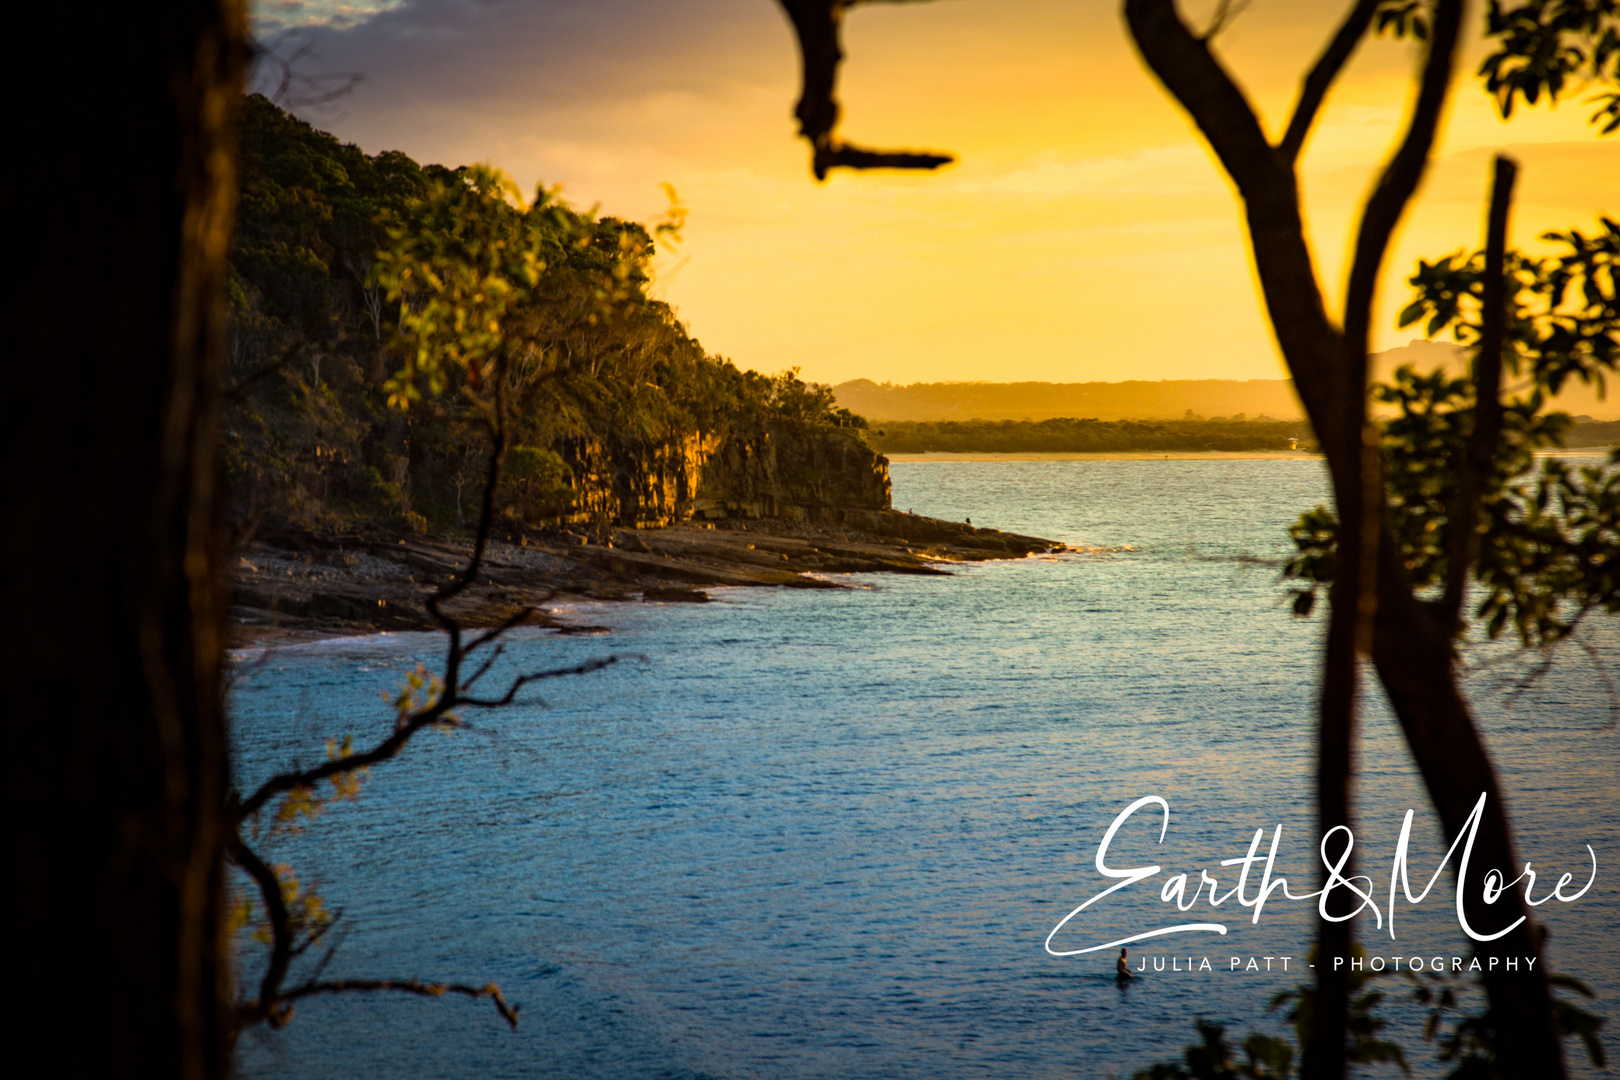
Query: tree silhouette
{"points": [[115, 738], [1542, 48]]}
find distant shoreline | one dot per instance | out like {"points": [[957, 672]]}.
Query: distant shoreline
{"points": [[300, 585], [1161, 455], [1112, 455]]}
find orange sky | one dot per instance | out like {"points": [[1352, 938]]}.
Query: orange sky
{"points": [[1085, 233]]}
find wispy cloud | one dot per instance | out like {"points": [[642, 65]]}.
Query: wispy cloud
{"points": [[270, 18]]}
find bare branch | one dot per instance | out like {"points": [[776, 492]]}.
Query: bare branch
{"points": [[273, 1005], [1479, 455], [275, 907], [1322, 75], [523, 680], [296, 89], [483, 669], [305, 778], [495, 421], [236, 390], [1225, 12], [408, 986], [1603, 673], [511, 623], [436, 713], [817, 24]]}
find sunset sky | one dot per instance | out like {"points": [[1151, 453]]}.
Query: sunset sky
{"points": [[1084, 234]]}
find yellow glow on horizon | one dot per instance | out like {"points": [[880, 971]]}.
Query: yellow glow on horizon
{"points": [[1085, 232]]}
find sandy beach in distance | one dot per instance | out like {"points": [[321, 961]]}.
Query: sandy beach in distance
{"points": [[1118, 455], [1178, 455]]}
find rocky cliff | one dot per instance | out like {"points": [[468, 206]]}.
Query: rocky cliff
{"points": [[794, 472]]}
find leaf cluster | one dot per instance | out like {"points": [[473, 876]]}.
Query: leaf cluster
{"points": [[1563, 318], [1543, 47], [1549, 535], [1264, 1058], [1364, 1044], [1464, 1037]]}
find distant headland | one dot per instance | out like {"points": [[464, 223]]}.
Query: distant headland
{"points": [[1143, 399]]}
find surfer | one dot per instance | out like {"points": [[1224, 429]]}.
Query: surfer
{"points": [[1121, 971]]}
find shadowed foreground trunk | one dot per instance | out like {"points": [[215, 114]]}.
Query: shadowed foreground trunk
{"points": [[1374, 611], [115, 759]]}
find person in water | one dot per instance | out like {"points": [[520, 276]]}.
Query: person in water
{"points": [[1121, 971]]}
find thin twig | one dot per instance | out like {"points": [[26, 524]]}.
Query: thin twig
{"points": [[275, 906], [511, 623], [523, 680], [1603, 673], [483, 669], [408, 986], [1322, 76], [236, 390], [1225, 12], [1401, 176]]}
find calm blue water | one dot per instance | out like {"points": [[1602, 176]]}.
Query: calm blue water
{"points": [[825, 834]]}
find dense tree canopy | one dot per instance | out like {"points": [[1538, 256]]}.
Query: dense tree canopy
{"points": [[340, 305]]}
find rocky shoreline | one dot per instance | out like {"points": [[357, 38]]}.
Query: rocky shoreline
{"points": [[291, 586]]}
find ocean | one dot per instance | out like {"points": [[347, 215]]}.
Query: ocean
{"points": [[826, 833]]}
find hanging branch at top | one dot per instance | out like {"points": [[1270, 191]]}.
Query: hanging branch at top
{"points": [[817, 23]]}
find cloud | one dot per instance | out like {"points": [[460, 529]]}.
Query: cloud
{"points": [[273, 18], [551, 52]]}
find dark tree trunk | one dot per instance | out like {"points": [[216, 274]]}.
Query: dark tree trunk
{"points": [[115, 759], [1371, 591], [1412, 653]]}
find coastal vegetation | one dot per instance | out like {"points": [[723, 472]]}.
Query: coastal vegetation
{"points": [[1122, 436], [1088, 436], [619, 415]]}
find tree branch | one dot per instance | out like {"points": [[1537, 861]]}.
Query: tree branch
{"points": [[1409, 650], [1399, 181], [489, 661], [496, 632], [816, 24], [273, 1004], [304, 778], [1478, 458], [1225, 12], [523, 680], [1322, 75], [408, 986], [1266, 182], [275, 907], [237, 390]]}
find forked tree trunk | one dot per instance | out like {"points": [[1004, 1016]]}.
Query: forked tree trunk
{"points": [[1373, 606], [115, 755]]}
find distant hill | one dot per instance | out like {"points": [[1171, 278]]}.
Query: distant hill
{"points": [[1087, 436], [1577, 399], [1170, 399], [1135, 400]]}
